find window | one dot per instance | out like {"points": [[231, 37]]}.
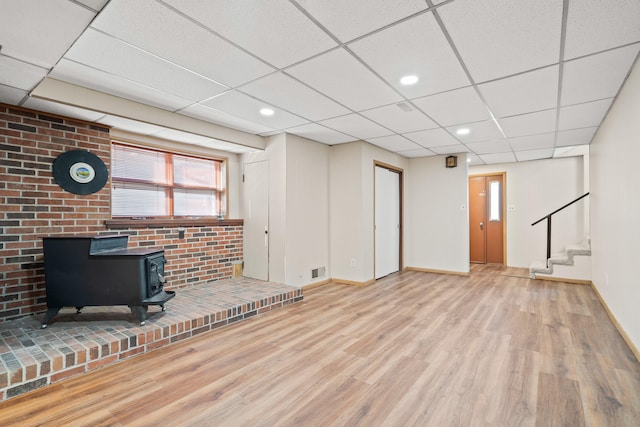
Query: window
{"points": [[494, 197], [150, 183]]}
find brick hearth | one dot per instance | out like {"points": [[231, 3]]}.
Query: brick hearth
{"points": [[31, 357]]}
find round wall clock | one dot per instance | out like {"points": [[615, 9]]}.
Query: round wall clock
{"points": [[80, 172]]}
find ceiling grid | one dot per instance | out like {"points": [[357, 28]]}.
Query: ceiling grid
{"points": [[501, 80]]}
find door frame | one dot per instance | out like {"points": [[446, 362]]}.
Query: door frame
{"points": [[400, 172], [504, 208]]}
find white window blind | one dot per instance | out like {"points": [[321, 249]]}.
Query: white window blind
{"points": [[149, 183]]}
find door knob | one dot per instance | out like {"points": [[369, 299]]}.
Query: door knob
{"points": [[481, 225]]}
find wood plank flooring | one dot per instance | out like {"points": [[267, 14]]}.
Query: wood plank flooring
{"points": [[413, 349]]}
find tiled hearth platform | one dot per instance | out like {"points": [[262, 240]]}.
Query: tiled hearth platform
{"points": [[31, 357]]}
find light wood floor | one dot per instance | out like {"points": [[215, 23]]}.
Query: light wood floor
{"points": [[491, 349]]}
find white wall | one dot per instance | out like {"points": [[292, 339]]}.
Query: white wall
{"points": [[437, 226], [615, 207], [535, 189], [307, 210], [345, 212]]}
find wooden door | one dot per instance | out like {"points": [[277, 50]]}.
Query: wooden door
{"points": [[387, 221], [477, 219], [486, 219], [256, 220]]}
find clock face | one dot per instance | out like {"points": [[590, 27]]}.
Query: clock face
{"points": [[82, 172], [451, 161]]}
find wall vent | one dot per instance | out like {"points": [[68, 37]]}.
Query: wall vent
{"points": [[318, 272]]}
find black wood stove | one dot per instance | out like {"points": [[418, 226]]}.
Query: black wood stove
{"points": [[101, 270]]}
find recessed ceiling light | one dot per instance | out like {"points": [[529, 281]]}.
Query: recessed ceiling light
{"points": [[463, 131], [409, 80], [468, 159], [266, 111]]}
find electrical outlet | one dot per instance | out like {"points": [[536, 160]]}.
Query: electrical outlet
{"points": [[353, 262]]}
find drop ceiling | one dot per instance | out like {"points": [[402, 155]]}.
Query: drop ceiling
{"points": [[524, 78]]}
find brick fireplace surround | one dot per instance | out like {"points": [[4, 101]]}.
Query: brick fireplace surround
{"points": [[32, 206]]}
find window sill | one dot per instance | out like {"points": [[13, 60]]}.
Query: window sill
{"points": [[115, 224]]}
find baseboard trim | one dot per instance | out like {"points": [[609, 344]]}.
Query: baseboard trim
{"points": [[431, 270], [562, 279], [315, 285], [621, 331], [353, 283]]}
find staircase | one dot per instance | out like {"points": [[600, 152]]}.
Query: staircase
{"points": [[565, 258]]}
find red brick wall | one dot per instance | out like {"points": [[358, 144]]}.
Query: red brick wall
{"points": [[32, 206]]}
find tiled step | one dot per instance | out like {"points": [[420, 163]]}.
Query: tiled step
{"points": [[565, 258], [72, 344]]}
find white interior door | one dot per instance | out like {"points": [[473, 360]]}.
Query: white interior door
{"points": [[256, 220], [387, 221]]}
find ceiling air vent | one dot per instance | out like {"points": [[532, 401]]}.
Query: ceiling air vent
{"points": [[404, 107]]}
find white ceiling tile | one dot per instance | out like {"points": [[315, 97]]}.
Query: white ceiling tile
{"points": [[354, 18], [129, 125], [533, 142], [596, 25], [341, 77], [597, 76], [478, 131], [92, 78], [11, 95], [583, 115], [115, 57], [245, 107], [575, 137], [422, 152], [432, 138], [524, 93], [500, 146], [159, 30], [320, 133], [491, 159], [96, 5], [414, 47], [20, 75], [285, 92], [278, 32], [357, 126], [62, 109], [398, 120], [394, 143], [473, 160], [504, 37], [225, 119], [529, 124], [543, 153], [450, 149], [454, 107], [40, 32]]}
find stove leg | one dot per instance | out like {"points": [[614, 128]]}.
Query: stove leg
{"points": [[51, 312], [140, 311]]}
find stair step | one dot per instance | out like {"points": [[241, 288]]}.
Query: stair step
{"points": [[564, 258], [561, 260], [578, 250]]}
